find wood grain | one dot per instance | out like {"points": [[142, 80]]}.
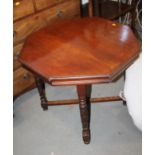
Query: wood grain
{"points": [[84, 105], [22, 8], [22, 79], [92, 100], [80, 51], [27, 21], [42, 4], [41, 89], [25, 27], [16, 52]]}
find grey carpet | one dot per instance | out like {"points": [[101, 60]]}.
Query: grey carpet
{"points": [[58, 130]]}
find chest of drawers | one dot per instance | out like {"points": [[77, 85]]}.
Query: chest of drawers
{"points": [[29, 16]]}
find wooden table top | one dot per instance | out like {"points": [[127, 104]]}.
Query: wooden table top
{"points": [[80, 51]]}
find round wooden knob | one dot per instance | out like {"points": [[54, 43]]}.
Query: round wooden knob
{"points": [[17, 3], [14, 33], [17, 54], [59, 13], [26, 76]]}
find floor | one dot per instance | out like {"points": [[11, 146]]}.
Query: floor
{"points": [[58, 130]]}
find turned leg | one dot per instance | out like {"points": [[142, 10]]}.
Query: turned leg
{"points": [[84, 99], [41, 89]]}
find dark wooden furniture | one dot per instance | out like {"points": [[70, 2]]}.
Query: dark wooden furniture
{"points": [[112, 10], [79, 52], [28, 17]]}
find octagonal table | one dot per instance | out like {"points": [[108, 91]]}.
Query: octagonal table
{"points": [[79, 52]]}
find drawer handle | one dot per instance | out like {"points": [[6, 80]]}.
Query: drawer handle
{"points": [[17, 55], [59, 13], [14, 33], [17, 3], [26, 76]]}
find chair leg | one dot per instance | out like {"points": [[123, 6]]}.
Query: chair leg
{"points": [[84, 105], [41, 89], [133, 18]]}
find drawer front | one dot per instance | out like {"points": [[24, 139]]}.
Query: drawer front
{"points": [[23, 28], [16, 52], [42, 4], [22, 79], [67, 10], [22, 8]]}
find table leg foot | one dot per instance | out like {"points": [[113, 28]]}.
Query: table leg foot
{"points": [[124, 103], [44, 105], [84, 111], [86, 136], [41, 89]]}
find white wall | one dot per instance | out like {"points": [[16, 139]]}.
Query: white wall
{"points": [[84, 1]]}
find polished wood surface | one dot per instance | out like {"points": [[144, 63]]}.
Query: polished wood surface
{"points": [[41, 89], [22, 8], [16, 52], [26, 26], [41, 4], [22, 79], [29, 16], [84, 105], [92, 100], [80, 51]]}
